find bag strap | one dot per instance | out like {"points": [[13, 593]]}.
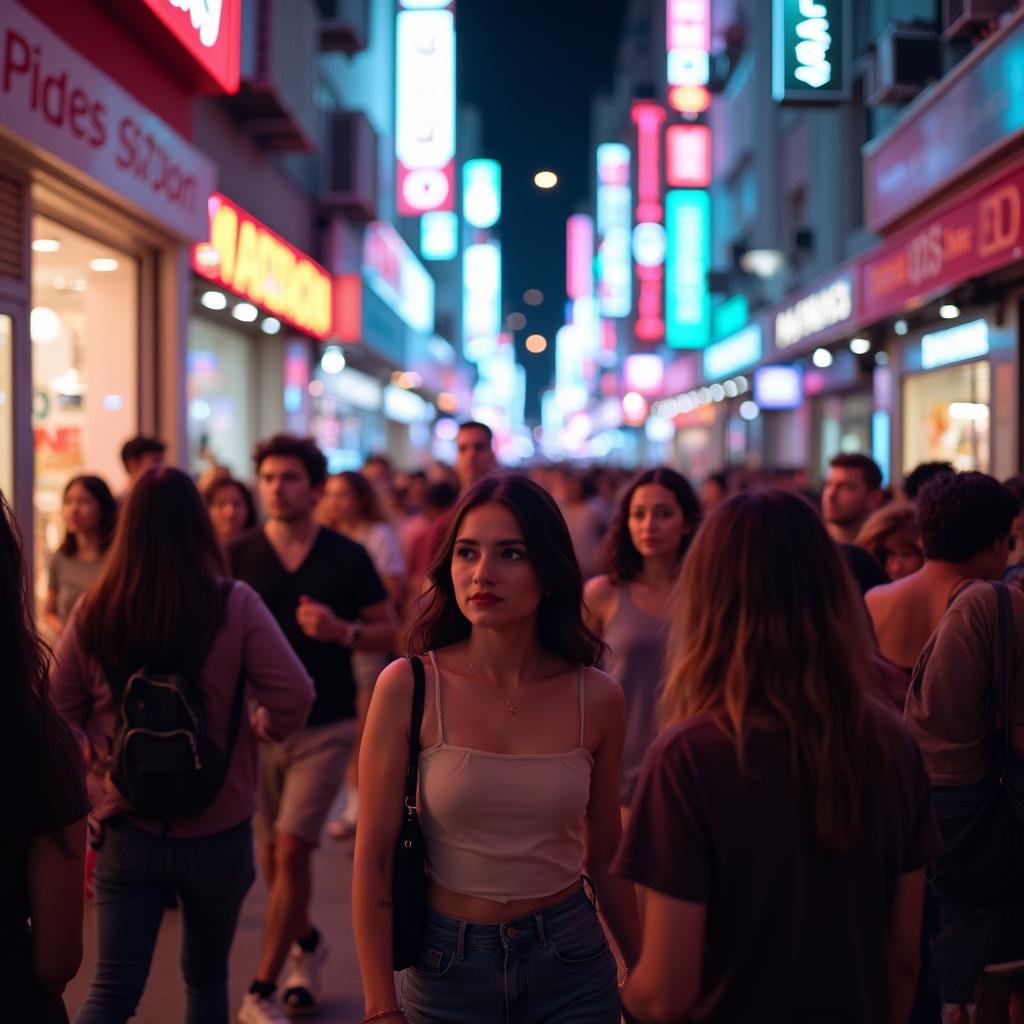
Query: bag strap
{"points": [[1006, 671], [419, 678]]}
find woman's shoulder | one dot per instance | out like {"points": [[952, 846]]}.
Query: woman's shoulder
{"points": [[599, 590]]}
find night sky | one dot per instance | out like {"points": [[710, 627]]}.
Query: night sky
{"points": [[532, 67]]}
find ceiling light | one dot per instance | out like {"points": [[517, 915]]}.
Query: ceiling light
{"points": [[45, 245], [270, 325], [900, 327], [245, 311], [860, 346], [968, 411], [333, 360], [207, 256], [536, 343], [821, 357], [545, 179], [762, 263], [43, 325], [103, 264], [948, 311], [214, 300]]}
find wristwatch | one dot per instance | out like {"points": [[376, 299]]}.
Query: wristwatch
{"points": [[355, 633]]}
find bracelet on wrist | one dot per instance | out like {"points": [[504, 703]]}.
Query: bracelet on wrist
{"points": [[393, 1011]]}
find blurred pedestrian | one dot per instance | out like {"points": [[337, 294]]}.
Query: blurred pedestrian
{"points": [[518, 783], [163, 619], [657, 518], [713, 492], [853, 490], [474, 453], [782, 822], [1015, 564], [351, 507], [232, 510], [955, 708], [965, 521], [329, 601], [90, 515], [581, 518], [921, 474], [42, 850], [140, 453], [891, 536]]}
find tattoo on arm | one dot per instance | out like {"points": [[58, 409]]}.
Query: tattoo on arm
{"points": [[384, 904]]}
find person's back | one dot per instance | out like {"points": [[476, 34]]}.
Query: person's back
{"points": [[794, 929], [965, 522]]}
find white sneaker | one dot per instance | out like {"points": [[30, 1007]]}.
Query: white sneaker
{"points": [[301, 987], [260, 1010]]}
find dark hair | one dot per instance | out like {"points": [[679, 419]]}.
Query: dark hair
{"points": [[867, 465], [135, 447], [441, 495], [108, 513], [291, 446], [158, 595], [560, 625], [366, 496], [961, 514], [476, 425], [720, 479], [622, 561], [921, 474], [225, 482], [1015, 485], [377, 459], [35, 729]]}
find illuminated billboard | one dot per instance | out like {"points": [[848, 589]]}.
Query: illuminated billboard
{"points": [[579, 256], [439, 235], [392, 271], [425, 111], [614, 219], [481, 193], [688, 63], [649, 232], [481, 299], [810, 51], [688, 156], [687, 299]]}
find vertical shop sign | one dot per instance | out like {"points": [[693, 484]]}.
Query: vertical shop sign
{"points": [[687, 299], [688, 65], [579, 258], [649, 232], [614, 217], [810, 51], [425, 117]]}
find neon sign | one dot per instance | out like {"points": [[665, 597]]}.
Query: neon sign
{"points": [[481, 300], [810, 40], [248, 259], [614, 281], [439, 235], [687, 299], [391, 269], [579, 256], [688, 65], [688, 156], [425, 115], [648, 234], [481, 192], [209, 31]]}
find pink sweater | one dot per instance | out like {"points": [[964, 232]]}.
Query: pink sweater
{"points": [[250, 639]]}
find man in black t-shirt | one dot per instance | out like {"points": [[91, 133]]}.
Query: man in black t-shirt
{"points": [[328, 599]]}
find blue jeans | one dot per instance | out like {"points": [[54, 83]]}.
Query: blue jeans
{"points": [[134, 871], [554, 966]]}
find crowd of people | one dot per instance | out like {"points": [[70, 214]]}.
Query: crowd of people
{"points": [[726, 753]]}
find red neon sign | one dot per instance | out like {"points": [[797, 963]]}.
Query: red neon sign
{"points": [[648, 118], [688, 156], [211, 32]]}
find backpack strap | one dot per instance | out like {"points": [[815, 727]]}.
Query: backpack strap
{"points": [[419, 677], [1005, 673]]}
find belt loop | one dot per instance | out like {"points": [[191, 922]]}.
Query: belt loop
{"points": [[460, 942], [542, 935]]}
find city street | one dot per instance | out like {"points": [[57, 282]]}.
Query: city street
{"points": [[164, 999]]}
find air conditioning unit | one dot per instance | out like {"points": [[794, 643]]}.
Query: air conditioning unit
{"points": [[344, 26], [904, 62], [349, 166], [964, 19]]}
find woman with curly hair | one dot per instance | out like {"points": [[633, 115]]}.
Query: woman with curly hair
{"points": [[891, 535], [644, 548]]}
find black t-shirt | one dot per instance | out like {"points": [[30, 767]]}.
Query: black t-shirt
{"points": [[337, 572], [793, 932]]}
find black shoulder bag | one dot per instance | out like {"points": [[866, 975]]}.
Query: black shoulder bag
{"points": [[985, 863], [409, 881]]}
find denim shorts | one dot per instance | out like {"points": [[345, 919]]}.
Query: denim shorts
{"points": [[553, 966]]}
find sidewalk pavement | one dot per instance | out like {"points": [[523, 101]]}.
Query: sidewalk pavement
{"points": [[164, 999]]}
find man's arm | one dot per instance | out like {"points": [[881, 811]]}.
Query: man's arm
{"points": [[374, 630]]}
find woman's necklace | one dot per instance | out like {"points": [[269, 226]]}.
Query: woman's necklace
{"points": [[513, 706]]}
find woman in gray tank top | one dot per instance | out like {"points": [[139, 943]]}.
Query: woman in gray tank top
{"points": [[655, 522]]}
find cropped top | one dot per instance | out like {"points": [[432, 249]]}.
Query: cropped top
{"points": [[503, 827]]}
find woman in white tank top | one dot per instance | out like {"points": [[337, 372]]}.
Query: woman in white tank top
{"points": [[518, 797]]}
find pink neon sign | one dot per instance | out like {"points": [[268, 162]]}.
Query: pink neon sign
{"points": [[579, 256], [648, 242], [688, 156], [648, 118]]}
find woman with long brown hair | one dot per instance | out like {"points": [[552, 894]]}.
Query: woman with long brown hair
{"points": [[162, 619], [782, 822], [518, 783]]}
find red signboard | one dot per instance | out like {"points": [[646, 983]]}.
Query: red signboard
{"points": [[965, 239], [688, 156], [209, 31]]}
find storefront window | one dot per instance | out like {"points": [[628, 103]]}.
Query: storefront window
{"points": [[946, 418], [841, 423], [6, 420], [84, 329]]}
